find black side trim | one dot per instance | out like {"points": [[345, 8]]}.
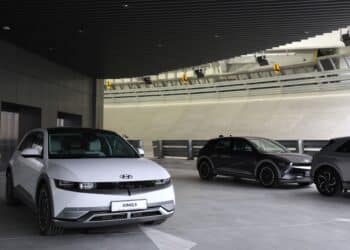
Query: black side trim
{"points": [[25, 197]]}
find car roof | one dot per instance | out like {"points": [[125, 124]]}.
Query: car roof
{"points": [[240, 137], [74, 129]]}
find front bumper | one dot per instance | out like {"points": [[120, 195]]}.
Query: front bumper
{"points": [[297, 174], [80, 209], [107, 218]]}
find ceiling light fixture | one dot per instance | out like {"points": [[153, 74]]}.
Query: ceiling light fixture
{"points": [[6, 28], [125, 5]]}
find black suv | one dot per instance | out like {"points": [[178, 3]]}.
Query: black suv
{"points": [[252, 157]]}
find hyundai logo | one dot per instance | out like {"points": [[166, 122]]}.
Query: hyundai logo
{"points": [[126, 176]]}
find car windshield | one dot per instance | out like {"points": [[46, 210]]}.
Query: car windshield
{"points": [[88, 144], [268, 146]]}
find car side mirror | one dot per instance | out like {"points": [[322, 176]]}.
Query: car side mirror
{"points": [[31, 153], [141, 152]]}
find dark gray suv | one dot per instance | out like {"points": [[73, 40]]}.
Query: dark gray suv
{"points": [[254, 158], [331, 167]]}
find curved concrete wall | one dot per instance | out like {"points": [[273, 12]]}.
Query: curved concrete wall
{"points": [[315, 116]]}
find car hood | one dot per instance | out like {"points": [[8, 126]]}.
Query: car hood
{"points": [[105, 170], [294, 157]]}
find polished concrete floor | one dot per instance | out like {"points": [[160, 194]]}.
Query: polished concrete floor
{"points": [[221, 214]]}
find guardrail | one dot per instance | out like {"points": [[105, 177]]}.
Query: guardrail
{"points": [[189, 148], [305, 82]]}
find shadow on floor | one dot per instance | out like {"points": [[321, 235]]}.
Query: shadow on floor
{"points": [[20, 221], [233, 181]]}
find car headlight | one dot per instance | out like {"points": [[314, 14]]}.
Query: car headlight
{"points": [[162, 181], [75, 186]]}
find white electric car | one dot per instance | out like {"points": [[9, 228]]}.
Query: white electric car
{"points": [[86, 178]]}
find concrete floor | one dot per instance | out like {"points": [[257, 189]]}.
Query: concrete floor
{"points": [[221, 214]]}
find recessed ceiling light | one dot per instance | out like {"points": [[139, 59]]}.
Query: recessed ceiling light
{"points": [[125, 5], [6, 28]]}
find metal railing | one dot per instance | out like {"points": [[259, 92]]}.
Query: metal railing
{"points": [[190, 148], [298, 83], [262, 72]]}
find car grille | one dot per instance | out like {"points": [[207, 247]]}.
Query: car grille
{"points": [[99, 217], [110, 217], [307, 164], [299, 172], [127, 187]]}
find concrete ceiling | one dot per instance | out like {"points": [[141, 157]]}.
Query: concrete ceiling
{"points": [[112, 39]]}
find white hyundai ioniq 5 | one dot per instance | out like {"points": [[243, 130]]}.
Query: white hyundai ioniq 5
{"points": [[86, 178]]}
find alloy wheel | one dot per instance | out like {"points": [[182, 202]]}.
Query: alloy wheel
{"points": [[327, 182], [267, 176], [204, 170]]}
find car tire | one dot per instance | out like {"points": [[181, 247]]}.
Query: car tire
{"points": [[155, 222], [11, 200], [328, 181], [267, 176], [206, 171], [46, 224], [304, 184]]}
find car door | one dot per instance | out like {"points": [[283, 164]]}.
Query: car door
{"points": [[342, 155], [221, 156], [243, 157], [28, 169]]}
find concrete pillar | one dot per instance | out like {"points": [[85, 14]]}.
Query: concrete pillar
{"points": [[98, 103]]}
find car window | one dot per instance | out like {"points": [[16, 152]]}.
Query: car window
{"points": [[345, 148], [268, 146], [88, 144], [223, 145], [240, 145], [27, 142], [38, 141], [33, 140]]}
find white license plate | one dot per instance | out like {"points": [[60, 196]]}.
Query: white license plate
{"points": [[307, 173], [128, 205]]}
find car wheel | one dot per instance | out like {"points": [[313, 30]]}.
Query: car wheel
{"points": [[10, 195], [155, 222], [205, 171], [304, 184], [267, 176], [328, 181], [46, 225]]}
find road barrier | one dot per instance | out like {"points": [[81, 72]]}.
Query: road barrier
{"points": [[189, 148]]}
